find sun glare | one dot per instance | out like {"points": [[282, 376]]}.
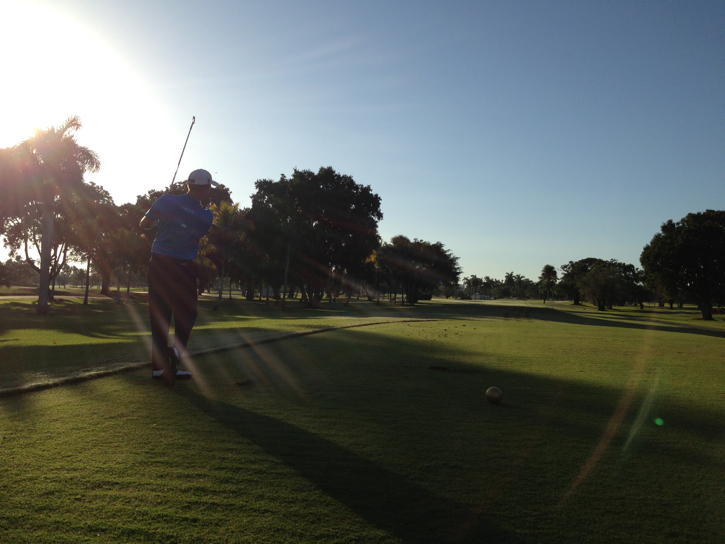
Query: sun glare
{"points": [[56, 67]]}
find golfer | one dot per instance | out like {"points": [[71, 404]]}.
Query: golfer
{"points": [[182, 221]]}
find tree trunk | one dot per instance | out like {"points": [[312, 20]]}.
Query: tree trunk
{"points": [[706, 310], [118, 289], [230, 288], [286, 271], [88, 281], [105, 281], [221, 284], [250, 290], [128, 282], [45, 245]]}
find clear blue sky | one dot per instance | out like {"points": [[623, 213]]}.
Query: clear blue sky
{"points": [[516, 133]]}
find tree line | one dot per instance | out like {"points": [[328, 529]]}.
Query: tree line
{"points": [[684, 262], [312, 233]]}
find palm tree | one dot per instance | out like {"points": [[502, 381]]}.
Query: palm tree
{"points": [[547, 280], [57, 165]]}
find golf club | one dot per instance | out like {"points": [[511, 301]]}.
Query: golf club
{"points": [[193, 120]]}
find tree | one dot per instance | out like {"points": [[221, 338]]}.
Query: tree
{"points": [[547, 281], [5, 278], [50, 164], [128, 248], [280, 227], [488, 285], [606, 283], [74, 222], [573, 272], [20, 273], [598, 283], [316, 228], [227, 230], [473, 285], [689, 256], [509, 283], [92, 216], [420, 266]]}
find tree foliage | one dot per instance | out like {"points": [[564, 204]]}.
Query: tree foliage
{"points": [[572, 273], [689, 256], [319, 228], [605, 283], [547, 281], [226, 232], [419, 267], [39, 175]]}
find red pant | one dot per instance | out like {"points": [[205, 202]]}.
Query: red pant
{"points": [[172, 290]]}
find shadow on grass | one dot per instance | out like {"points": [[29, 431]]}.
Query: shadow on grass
{"points": [[610, 319], [119, 331], [71, 316], [617, 321], [23, 364], [385, 499], [516, 460], [416, 451]]}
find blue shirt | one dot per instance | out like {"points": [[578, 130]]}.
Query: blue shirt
{"points": [[182, 223]]}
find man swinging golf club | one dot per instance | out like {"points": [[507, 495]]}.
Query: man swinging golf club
{"points": [[182, 221]]}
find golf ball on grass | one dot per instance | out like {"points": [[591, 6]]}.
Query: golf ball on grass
{"points": [[494, 395]]}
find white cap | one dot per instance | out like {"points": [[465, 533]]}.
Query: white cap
{"points": [[201, 177]]}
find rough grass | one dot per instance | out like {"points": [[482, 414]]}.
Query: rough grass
{"points": [[382, 434]]}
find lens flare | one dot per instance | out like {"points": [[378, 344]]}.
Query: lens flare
{"points": [[641, 362], [643, 413]]}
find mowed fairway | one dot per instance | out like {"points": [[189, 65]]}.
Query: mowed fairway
{"points": [[382, 434]]}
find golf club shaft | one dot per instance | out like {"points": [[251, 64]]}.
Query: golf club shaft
{"points": [[193, 120]]}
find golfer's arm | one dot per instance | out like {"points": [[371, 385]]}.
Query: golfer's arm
{"points": [[147, 223]]}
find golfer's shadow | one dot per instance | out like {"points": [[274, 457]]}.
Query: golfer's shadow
{"points": [[384, 499]]}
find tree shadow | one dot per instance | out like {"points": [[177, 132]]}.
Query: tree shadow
{"points": [[546, 433], [419, 453], [126, 329], [618, 321], [562, 316], [386, 500]]}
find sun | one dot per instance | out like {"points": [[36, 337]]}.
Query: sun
{"points": [[43, 83], [56, 65]]}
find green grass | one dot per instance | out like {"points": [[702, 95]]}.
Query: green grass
{"points": [[74, 339], [18, 291], [689, 316], [379, 433]]}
